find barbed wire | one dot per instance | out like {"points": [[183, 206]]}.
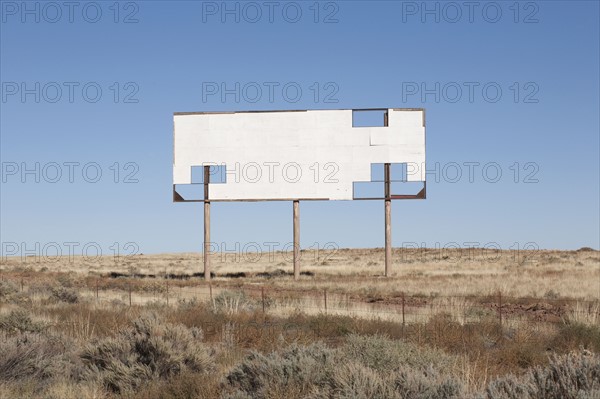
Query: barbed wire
{"points": [[404, 307]]}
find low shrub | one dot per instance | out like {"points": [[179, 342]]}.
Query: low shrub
{"points": [[426, 384], [297, 370], [150, 349], [383, 354], [10, 293], [572, 376], [364, 367], [186, 385], [64, 294], [573, 335], [231, 302], [19, 321], [187, 304], [353, 380], [34, 356], [66, 280], [7, 288]]}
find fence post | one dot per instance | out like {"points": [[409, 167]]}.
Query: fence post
{"points": [[325, 299], [262, 294], [500, 307], [129, 288], [403, 303]]}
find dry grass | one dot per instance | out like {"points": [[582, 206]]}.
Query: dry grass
{"points": [[50, 320], [358, 271], [473, 352]]}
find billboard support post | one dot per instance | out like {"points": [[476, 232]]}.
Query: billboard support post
{"points": [[206, 225], [388, 221], [296, 239]]}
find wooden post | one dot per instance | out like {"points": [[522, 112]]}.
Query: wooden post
{"points": [[262, 294], [403, 302], [325, 299], [500, 307], [296, 240], [388, 222], [129, 288], [206, 225]]}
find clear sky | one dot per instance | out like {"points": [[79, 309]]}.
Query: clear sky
{"points": [[91, 87]]}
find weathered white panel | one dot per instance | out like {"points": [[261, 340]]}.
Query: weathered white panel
{"points": [[314, 154]]}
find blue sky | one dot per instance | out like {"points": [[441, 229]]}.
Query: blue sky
{"points": [[93, 88]]}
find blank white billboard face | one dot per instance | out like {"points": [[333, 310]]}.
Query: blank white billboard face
{"points": [[285, 155]]}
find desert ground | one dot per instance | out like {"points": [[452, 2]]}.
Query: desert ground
{"points": [[569, 274], [447, 324]]}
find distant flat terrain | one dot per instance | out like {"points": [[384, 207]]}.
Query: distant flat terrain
{"points": [[543, 273]]}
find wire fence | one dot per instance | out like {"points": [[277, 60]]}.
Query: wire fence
{"points": [[401, 308]]}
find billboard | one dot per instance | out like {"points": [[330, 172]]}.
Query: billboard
{"points": [[298, 155]]}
